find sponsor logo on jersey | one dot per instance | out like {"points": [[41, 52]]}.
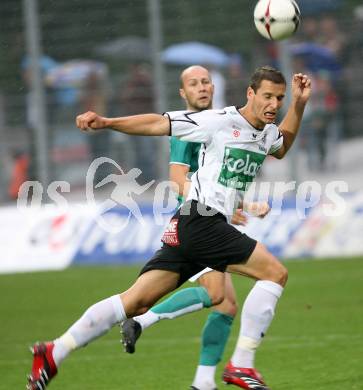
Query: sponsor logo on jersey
{"points": [[170, 235], [236, 133], [239, 168]]}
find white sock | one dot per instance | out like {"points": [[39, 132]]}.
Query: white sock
{"points": [[96, 321], [204, 378], [147, 319], [257, 313]]}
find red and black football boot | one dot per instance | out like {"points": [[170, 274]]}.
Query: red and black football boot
{"points": [[245, 378], [44, 368]]}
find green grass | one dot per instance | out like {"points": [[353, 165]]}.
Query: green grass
{"points": [[315, 341]]}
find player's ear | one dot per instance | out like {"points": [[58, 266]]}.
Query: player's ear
{"points": [[250, 93], [182, 93]]}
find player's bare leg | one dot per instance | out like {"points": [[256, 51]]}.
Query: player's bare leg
{"points": [[262, 265], [214, 282], [187, 300], [257, 313], [229, 304], [148, 289], [98, 320]]}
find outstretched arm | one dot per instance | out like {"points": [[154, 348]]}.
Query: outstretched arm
{"points": [[301, 89], [145, 124]]}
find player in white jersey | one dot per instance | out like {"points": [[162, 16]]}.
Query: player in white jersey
{"points": [[199, 234], [196, 88], [231, 155]]}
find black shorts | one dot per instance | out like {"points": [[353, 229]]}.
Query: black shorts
{"points": [[193, 242]]}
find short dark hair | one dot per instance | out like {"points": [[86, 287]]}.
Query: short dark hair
{"points": [[266, 73]]}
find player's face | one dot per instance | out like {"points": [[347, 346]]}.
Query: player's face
{"points": [[266, 102], [197, 89]]}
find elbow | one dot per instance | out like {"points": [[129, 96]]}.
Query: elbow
{"points": [[280, 156]]}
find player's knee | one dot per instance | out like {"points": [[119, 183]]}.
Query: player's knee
{"points": [[233, 308], [272, 269], [284, 277], [139, 306], [216, 291], [216, 296], [141, 310], [279, 274], [228, 306]]}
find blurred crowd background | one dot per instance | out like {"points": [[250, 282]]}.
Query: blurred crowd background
{"points": [[122, 57]]}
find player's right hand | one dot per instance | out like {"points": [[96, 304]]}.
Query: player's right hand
{"points": [[90, 121]]}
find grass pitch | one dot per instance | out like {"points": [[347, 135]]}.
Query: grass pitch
{"points": [[315, 341]]}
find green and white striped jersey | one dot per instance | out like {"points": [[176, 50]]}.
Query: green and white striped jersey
{"points": [[184, 153]]}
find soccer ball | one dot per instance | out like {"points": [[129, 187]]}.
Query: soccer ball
{"points": [[277, 19]]}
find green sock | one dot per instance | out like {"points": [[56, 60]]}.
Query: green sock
{"points": [[184, 301], [214, 338]]}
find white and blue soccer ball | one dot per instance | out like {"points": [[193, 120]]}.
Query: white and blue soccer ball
{"points": [[277, 19]]}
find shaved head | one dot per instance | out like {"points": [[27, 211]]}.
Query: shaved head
{"points": [[192, 71], [196, 88]]}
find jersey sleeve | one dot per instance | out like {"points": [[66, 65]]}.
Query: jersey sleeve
{"points": [[192, 126], [278, 141], [180, 152]]}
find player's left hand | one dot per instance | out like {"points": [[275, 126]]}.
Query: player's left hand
{"points": [[239, 218], [301, 87], [258, 209]]}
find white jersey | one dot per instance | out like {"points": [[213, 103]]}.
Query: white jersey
{"points": [[232, 153]]}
